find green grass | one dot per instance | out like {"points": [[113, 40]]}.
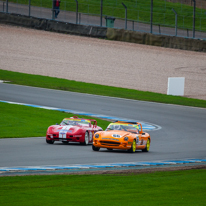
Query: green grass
{"points": [[159, 188], [27, 121], [137, 10], [74, 86]]}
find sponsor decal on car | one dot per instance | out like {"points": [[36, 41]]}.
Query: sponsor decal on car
{"points": [[116, 135]]}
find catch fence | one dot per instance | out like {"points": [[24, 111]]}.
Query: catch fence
{"points": [[187, 19]]}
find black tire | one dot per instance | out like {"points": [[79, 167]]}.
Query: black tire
{"points": [[65, 142], [133, 147], [49, 141], [86, 138], [109, 149], [95, 148], [147, 146]]}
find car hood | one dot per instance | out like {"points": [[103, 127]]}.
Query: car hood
{"points": [[66, 128]]}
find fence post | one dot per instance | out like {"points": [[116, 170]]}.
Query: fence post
{"points": [[7, 1], [194, 18], [76, 11], [151, 16], [29, 8], [175, 21], [53, 9], [101, 11], [125, 15]]}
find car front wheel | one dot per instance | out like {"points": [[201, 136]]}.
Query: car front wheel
{"points": [[146, 149], [133, 147], [95, 148], [50, 141], [86, 138]]}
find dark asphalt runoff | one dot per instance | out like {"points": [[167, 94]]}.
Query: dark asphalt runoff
{"points": [[182, 133]]}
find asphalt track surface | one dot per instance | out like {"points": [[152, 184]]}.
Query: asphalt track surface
{"points": [[181, 133]]}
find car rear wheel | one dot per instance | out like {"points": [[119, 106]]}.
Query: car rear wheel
{"points": [[95, 148], [50, 141], [133, 147], [86, 138], [147, 146]]}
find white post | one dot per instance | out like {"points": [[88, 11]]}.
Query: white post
{"points": [[176, 86]]}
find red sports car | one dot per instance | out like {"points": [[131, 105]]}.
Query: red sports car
{"points": [[73, 129]]}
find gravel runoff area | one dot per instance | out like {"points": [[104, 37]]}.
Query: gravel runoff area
{"points": [[100, 61]]}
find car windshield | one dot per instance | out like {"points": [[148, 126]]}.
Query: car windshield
{"points": [[124, 127], [75, 122]]}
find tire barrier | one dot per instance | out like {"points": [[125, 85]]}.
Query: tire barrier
{"points": [[51, 25], [156, 40]]}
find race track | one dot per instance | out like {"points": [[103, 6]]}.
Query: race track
{"points": [[181, 130], [182, 133]]}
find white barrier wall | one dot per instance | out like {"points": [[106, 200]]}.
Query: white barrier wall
{"points": [[176, 86]]}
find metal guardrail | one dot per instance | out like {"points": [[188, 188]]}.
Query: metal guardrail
{"points": [[98, 20]]}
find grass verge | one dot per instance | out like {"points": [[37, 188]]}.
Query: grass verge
{"points": [[158, 188], [74, 86], [31, 122]]}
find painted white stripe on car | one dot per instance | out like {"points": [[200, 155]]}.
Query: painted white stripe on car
{"points": [[63, 131]]}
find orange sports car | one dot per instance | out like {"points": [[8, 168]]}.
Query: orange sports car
{"points": [[124, 136]]}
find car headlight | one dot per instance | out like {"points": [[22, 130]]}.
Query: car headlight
{"points": [[96, 135], [126, 139]]}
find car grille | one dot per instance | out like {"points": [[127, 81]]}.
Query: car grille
{"points": [[108, 143]]}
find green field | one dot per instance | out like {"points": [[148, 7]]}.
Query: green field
{"points": [[137, 10], [158, 188]]}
